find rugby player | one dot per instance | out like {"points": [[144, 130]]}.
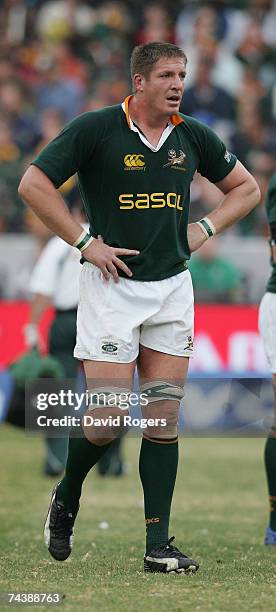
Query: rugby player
{"points": [[135, 163], [267, 326]]}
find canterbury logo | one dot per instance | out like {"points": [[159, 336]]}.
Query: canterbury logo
{"points": [[134, 161], [152, 520]]}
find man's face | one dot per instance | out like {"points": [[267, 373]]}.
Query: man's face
{"points": [[163, 88]]}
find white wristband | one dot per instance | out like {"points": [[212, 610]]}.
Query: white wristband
{"points": [[79, 239], [207, 227], [83, 241], [86, 244]]}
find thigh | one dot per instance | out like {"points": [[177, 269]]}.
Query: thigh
{"points": [[104, 372], [171, 329], [154, 365]]}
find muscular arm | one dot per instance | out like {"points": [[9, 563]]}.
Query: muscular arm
{"points": [[41, 195], [39, 192], [241, 195]]}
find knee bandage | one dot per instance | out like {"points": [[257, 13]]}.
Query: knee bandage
{"points": [[156, 391]]}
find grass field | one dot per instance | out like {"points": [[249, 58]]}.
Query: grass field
{"points": [[219, 517]]}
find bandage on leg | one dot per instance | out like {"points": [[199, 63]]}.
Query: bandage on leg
{"points": [[163, 401]]}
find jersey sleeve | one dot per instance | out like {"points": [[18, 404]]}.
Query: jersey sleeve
{"points": [[270, 201], [45, 273], [70, 150], [215, 161]]}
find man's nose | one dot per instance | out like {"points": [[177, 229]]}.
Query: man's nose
{"points": [[178, 83]]}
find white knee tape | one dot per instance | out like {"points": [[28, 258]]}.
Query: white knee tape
{"points": [[158, 390]]}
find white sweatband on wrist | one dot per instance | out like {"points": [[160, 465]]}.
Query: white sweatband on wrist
{"points": [[207, 227], [83, 241], [87, 243]]}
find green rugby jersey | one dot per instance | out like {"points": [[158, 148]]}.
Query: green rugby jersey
{"points": [[134, 197], [270, 205]]}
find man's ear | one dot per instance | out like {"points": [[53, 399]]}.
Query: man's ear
{"points": [[138, 81]]}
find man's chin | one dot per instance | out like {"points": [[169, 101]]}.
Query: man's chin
{"points": [[173, 107]]}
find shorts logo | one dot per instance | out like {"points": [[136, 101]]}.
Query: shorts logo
{"points": [[190, 345], [176, 161], [134, 162], [110, 347]]}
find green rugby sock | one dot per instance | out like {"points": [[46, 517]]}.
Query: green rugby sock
{"points": [[157, 468], [270, 467], [82, 456]]}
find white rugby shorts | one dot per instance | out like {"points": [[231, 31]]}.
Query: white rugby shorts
{"points": [[114, 318], [267, 328]]}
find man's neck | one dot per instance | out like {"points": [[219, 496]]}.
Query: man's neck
{"points": [[141, 115]]}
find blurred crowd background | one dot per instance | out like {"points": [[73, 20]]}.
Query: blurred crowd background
{"points": [[59, 58]]}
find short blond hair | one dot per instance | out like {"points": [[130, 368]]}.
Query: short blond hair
{"points": [[145, 56]]}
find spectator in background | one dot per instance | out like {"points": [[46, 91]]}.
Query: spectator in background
{"points": [[205, 32], [156, 25], [251, 91], [107, 93], [10, 172], [255, 53], [58, 19], [206, 101], [253, 132], [18, 107], [59, 91], [198, 21], [7, 68], [13, 21], [109, 41], [51, 122], [70, 65], [240, 14], [215, 279]]}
